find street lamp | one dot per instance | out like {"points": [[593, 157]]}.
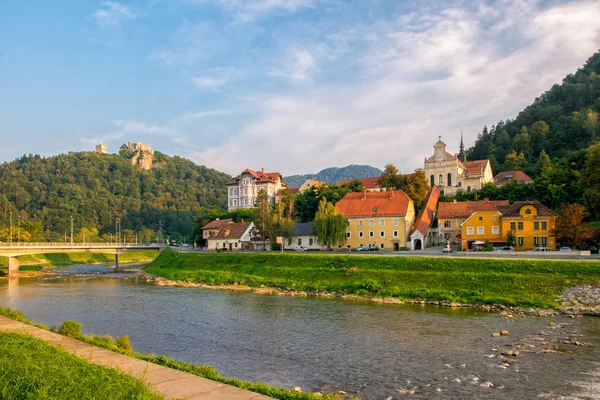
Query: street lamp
{"points": [[11, 228], [19, 231], [71, 230]]}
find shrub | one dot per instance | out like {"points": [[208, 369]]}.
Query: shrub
{"points": [[124, 343], [487, 246], [70, 328]]}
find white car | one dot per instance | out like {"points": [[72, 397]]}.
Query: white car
{"points": [[542, 249], [300, 248]]}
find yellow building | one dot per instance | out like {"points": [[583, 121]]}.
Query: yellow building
{"points": [[482, 226], [532, 223], [384, 219]]}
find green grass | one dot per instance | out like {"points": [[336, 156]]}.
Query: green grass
{"points": [[528, 283], [32, 369], [66, 259]]}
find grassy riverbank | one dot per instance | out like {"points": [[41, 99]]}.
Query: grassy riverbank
{"points": [[32, 369], [36, 262], [528, 283], [123, 346]]}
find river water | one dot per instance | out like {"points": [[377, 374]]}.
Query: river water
{"points": [[371, 350]]}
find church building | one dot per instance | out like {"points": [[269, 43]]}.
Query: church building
{"points": [[451, 173]]}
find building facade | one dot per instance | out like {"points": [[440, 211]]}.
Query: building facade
{"points": [[480, 227], [383, 219], [532, 224], [451, 174], [452, 215], [303, 236], [244, 188], [421, 234], [231, 237]]}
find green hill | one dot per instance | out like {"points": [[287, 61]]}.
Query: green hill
{"points": [[334, 174], [97, 189]]}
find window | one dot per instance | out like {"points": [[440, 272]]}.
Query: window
{"points": [[520, 240], [481, 218], [236, 244], [360, 222], [528, 211], [395, 222], [245, 201], [299, 241], [347, 235], [382, 245], [230, 202], [441, 180], [470, 230], [468, 188], [235, 202], [544, 225], [447, 224], [520, 226], [449, 179], [495, 218], [544, 241], [245, 190], [371, 234], [361, 234], [381, 222], [224, 245], [310, 241], [480, 230], [432, 182], [495, 230], [395, 233], [459, 184], [536, 226], [513, 226], [536, 240], [371, 222], [375, 209], [382, 234]]}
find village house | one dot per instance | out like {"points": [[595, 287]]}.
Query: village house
{"points": [[303, 236], [383, 219], [451, 215], [231, 237], [370, 184], [212, 228], [511, 176], [532, 223], [422, 235], [482, 226], [451, 173], [243, 189]]}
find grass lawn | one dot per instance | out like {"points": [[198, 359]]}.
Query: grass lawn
{"points": [[66, 259], [32, 369], [509, 282]]}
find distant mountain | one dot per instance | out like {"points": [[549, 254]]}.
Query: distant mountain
{"points": [[335, 174]]}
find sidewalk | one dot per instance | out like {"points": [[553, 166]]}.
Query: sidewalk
{"points": [[170, 383]]}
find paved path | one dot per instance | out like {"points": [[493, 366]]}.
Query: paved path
{"points": [[170, 383]]}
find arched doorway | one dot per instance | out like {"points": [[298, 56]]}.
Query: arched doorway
{"points": [[418, 244]]}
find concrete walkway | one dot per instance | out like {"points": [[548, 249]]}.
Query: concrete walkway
{"points": [[170, 383]]}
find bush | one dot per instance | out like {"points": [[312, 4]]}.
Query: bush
{"points": [[487, 246], [124, 343], [70, 328]]}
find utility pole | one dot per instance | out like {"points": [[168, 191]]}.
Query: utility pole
{"points": [[11, 228], [19, 231], [71, 230]]}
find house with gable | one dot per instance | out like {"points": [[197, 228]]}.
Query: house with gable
{"points": [[370, 184], [303, 236], [421, 234], [451, 216], [231, 237], [383, 219], [532, 223], [511, 176], [243, 189]]}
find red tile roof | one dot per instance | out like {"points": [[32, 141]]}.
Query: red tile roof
{"points": [[217, 223], [425, 217], [232, 231], [260, 176], [464, 209], [374, 204], [508, 176], [543, 211], [475, 167], [368, 183]]}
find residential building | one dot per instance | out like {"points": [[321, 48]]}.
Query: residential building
{"points": [[231, 237], [371, 184], [243, 189], [384, 219], [303, 236], [452, 215], [511, 176], [482, 226], [532, 223], [212, 228], [421, 235], [451, 173], [310, 183]]}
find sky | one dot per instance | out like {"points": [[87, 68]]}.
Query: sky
{"points": [[293, 86]]}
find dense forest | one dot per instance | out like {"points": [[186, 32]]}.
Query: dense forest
{"points": [[552, 141], [334, 174], [103, 192]]}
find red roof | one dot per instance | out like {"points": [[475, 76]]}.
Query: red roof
{"points": [[464, 209], [425, 217], [260, 176], [368, 183], [232, 231], [475, 167], [217, 223], [509, 176], [393, 203]]}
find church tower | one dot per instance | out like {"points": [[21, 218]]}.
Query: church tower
{"points": [[462, 156]]}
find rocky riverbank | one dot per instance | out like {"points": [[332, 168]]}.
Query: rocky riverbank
{"points": [[583, 299]]}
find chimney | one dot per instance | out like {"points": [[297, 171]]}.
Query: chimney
{"points": [[454, 201], [262, 170], [486, 199], [364, 194], [242, 220], [391, 194]]}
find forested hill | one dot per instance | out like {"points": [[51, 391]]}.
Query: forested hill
{"points": [[96, 189], [562, 122], [334, 174]]}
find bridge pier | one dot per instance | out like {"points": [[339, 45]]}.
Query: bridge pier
{"points": [[13, 266], [117, 268]]}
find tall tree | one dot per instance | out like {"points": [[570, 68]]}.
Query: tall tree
{"points": [[569, 225], [591, 180], [543, 163], [391, 178], [330, 225], [263, 223]]}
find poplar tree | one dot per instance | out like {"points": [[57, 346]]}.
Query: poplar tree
{"points": [[330, 225]]}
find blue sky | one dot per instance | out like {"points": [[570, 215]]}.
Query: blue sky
{"points": [[288, 85]]}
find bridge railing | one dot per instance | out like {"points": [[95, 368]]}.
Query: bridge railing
{"points": [[78, 245]]}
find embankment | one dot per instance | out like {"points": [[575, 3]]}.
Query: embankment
{"points": [[522, 283]]}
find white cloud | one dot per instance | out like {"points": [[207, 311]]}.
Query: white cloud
{"points": [[215, 78], [298, 66], [424, 75], [245, 11], [111, 14]]}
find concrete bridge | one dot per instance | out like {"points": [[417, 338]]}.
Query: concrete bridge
{"points": [[13, 250]]}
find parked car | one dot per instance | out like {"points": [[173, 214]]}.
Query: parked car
{"points": [[360, 248], [504, 248], [542, 249], [300, 248], [372, 247], [447, 249], [564, 249], [593, 249]]}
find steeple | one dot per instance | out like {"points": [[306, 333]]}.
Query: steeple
{"points": [[462, 156]]}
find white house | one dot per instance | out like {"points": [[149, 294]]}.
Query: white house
{"points": [[303, 236], [231, 237], [243, 189]]}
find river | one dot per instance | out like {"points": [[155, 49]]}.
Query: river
{"points": [[374, 351]]}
